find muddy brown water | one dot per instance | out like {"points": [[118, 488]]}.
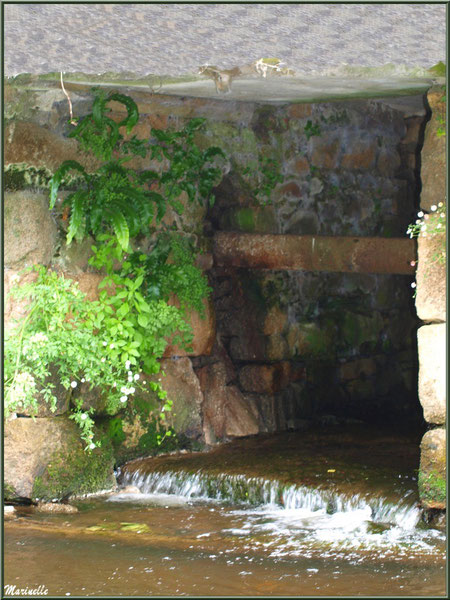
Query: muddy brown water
{"points": [[326, 513]]}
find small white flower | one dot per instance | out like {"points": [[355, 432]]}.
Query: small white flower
{"points": [[84, 417], [433, 207], [413, 285], [123, 389], [438, 225], [418, 221], [123, 398], [73, 384], [130, 378], [130, 373], [103, 359], [131, 390], [442, 215], [440, 204], [127, 364], [105, 343], [111, 346], [83, 380], [136, 377], [420, 214], [114, 384], [91, 446]]}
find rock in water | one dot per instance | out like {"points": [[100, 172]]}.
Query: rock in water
{"points": [[54, 507]]}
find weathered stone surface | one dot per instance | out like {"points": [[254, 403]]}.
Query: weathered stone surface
{"points": [[88, 283], [325, 153], [432, 369], [432, 473], [15, 309], [30, 232], [433, 167], [28, 143], [45, 458], [265, 379], [74, 258], [203, 328], [360, 155], [388, 162], [299, 111], [315, 253], [356, 368], [183, 388], [275, 321], [431, 279], [239, 418], [225, 411]]}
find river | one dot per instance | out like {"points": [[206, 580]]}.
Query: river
{"points": [[329, 512]]}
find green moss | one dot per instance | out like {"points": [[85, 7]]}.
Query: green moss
{"points": [[432, 487], [75, 472], [21, 176], [245, 219], [438, 70]]}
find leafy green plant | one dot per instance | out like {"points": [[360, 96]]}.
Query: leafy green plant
{"points": [[312, 129], [61, 334], [119, 199]]}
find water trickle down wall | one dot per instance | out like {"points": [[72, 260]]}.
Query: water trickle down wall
{"points": [[278, 348]]}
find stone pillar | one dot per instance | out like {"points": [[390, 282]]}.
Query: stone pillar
{"points": [[431, 309]]}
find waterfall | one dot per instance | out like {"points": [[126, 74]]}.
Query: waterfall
{"points": [[257, 491]]}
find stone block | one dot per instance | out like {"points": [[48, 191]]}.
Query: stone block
{"points": [[432, 472], [359, 155], [432, 372], [30, 231], [433, 158], [299, 111], [325, 153], [265, 379], [388, 162], [431, 279], [183, 388], [203, 328], [275, 321], [45, 459], [355, 369], [30, 144], [225, 410]]}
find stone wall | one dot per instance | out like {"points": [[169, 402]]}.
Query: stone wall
{"points": [[277, 349], [431, 309]]}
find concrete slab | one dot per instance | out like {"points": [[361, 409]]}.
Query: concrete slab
{"points": [[296, 89]]}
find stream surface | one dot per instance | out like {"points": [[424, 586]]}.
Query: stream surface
{"points": [[330, 512]]}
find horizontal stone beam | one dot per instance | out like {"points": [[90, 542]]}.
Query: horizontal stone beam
{"points": [[315, 253]]}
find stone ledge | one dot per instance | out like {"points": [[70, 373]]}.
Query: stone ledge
{"points": [[315, 253]]}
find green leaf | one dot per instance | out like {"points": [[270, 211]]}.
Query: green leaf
{"points": [[143, 320], [123, 310], [77, 216], [132, 109], [120, 226], [55, 181]]}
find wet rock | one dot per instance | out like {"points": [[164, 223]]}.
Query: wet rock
{"points": [[432, 472], [30, 231], [55, 508], [9, 513], [432, 369], [45, 459], [225, 411], [183, 388], [203, 328], [129, 489], [265, 379]]}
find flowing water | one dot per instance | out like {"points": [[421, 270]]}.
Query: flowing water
{"points": [[329, 513]]}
